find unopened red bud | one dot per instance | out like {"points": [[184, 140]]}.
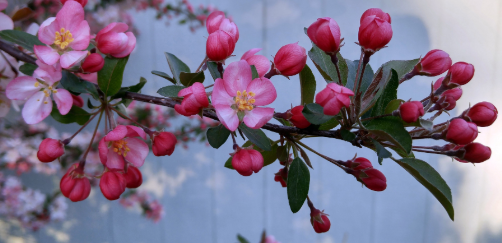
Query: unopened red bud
{"points": [[410, 111], [93, 63], [333, 98], [82, 2], [461, 73], [377, 12], [112, 185], [163, 143], [476, 153], [447, 102], [374, 33], [455, 93], [77, 101], [325, 33], [297, 117], [434, 63], [373, 179], [483, 114], [74, 185], [133, 177], [49, 150], [461, 132], [219, 46], [359, 164], [319, 221], [290, 59], [247, 161], [282, 177]]}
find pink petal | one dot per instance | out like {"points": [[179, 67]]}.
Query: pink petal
{"points": [[5, 22], [227, 116], [113, 27], [261, 63], [3, 4], [81, 36], [134, 131], [114, 160], [220, 95], [91, 77], [199, 93], [190, 104], [184, 92], [69, 59], [131, 43], [48, 73], [258, 117], [264, 91], [112, 42], [47, 31], [4, 105], [103, 151], [21, 88], [324, 96], [237, 77], [138, 153], [242, 163], [250, 53], [332, 107], [116, 134], [256, 160], [37, 108], [46, 54], [64, 100], [70, 16]]}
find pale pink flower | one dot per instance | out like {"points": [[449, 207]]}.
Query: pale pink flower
{"points": [[67, 36], [5, 21], [121, 145], [236, 97], [37, 90], [261, 63]]}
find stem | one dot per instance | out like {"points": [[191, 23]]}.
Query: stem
{"points": [[209, 86], [309, 203], [92, 139], [235, 146], [135, 122], [430, 152], [336, 162], [334, 59], [201, 64], [220, 69], [68, 140], [358, 68], [271, 73]]}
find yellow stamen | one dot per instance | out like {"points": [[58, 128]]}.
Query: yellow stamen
{"points": [[63, 38], [244, 100], [37, 84], [120, 147]]}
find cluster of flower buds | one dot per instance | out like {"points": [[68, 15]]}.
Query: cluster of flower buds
{"points": [[363, 170], [223, 35]]}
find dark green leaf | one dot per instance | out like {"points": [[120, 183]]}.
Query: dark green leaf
{"points": [[176, 66], [431, 179], [307, 84], [111, 75], [391, 129], [217, 136], [28, 69], [76, 114], [187, 79], [72, 83], [170, 91], [388, 95], [351, 76], [242, 239], [326, 67], [347, 135], [164, 75], [254, 72], [382, 153], [25, 40], [393, 105], [402, 153], [213, 69], [314, 113], [228, 163], [298, 184], [257, 137], [282, 153], [330, 124]]}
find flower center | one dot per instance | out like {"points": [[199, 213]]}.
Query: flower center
{"points": [[120, 147], [63, 38], [47, 91], [244, 100]]}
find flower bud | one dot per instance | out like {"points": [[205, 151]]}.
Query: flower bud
{"points": [[49, 150], [77, 101], [377, 12], [483, 114], [297, 117], [374, 33], [74, 185], [282, 177], [219, 46], [455, 93], [319, 221], [115, 41], [112, 185], [261, 63], [230, 28], [93, 63], [82, 2], [290, 59], [373, 179], [476, 153], [194, 100], [133, 177], [461, 132], [247, 161], [461, 73], [333, 98], [325, 33], [410, 111], [214, 20], [434, 63], [359, 164], [163, 143]]}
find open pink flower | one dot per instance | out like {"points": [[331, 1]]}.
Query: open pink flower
{"points": [[6, 22], [261, 63], [121, 145], [66, 36], [236, 97], [37, 90]]}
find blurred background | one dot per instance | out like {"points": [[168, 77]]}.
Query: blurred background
{"points": [[206, 202]]}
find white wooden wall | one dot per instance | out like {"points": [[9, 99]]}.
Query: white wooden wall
{"points": [[205, 202]]}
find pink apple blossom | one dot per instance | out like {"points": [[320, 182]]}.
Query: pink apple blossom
{"points": [[237, 97], [194, 100], [5, 21], [114, 40], [261, 63], [37, 90], [333, 98], [121, 145], [67, 36]]}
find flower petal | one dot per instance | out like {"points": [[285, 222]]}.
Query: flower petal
{"points": [[131, 43], [21, 88], [264, 90], [64, 100], [250, 53], [47, 31], [103, 151], [114, 161], [116, 134], [220, 95], [227, 116], [138, 153], [258, 117], [71, 15], [256, 160], [134, 131], [237, 77], [261, 63], [81, 36], [48, 73], [5, 22], [46, 54], [71, 58], [37, 108]]}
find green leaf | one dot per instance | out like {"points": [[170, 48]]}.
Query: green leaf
{"points": [[326, 67], [392, 106], [257, 137], [25, 40], [305, 157], [242, 239], [298, 184], [72, 83], [170, 91], [28, 69], [347, 135], [164, 75], [308, 84], [76, 114], [402, 153], [188, 79], [217, 136], [314, 113], [431, 179], [330, 124], [254, 72], [351, 76], [228, 163], [388, 95], [135, 88], [391, 129], [382, 153], [213, 69], [282, 153], [111, 75], [176, 66]]}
